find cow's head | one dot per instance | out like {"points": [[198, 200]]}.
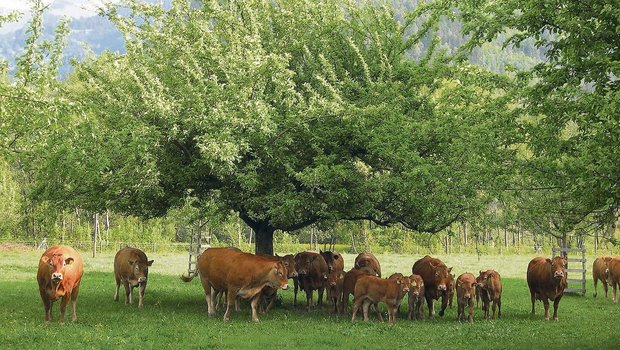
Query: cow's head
{"points": [[280, 275], [334, 278], [607, 259], [289, 262], [466, 287], [482, 279], [139, 270], [417, 285], [404, 282], [56, 266], [557, 267], [441, 277]]}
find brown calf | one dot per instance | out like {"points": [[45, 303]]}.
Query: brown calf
{"points": [[416, 297], [372, 290], [489, 288], [335, 281], [599, 272], [348, 284], [613, 275], [131, 267], [465, 292]]}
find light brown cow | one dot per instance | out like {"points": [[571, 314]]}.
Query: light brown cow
{"points": [[437, 280], [599, 272], [348, 284], [270, 294], [372, 290], [131, 267], [613, 275], [465, 292], [335, 280], [546, 279], [59, 275], [416, 297], [240, 274], [489, 288], [335, 261], [368, 260]]}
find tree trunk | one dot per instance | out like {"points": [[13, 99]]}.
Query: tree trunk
{"points": [[264, 240]]}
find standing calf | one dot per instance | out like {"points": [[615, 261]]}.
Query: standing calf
{"points": [[371, 290], [131, 266], [599, 272], [465, 292], [489, 287]]}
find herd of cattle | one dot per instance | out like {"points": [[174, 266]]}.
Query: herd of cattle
{"points": [[233, 274]]}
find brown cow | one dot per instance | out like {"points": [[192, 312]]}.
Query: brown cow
{"points": [[599, 272], [59, 275], [131, 266], [489, 288], [269, 294], [240, 274], [436, 276], [465, 292], [450, 289], [371, 290], [348, 284], [314, 278], [302, 263], [335, 281], [368, 260], [335, 261], [416, 297], [546, 279], [613, 275]]}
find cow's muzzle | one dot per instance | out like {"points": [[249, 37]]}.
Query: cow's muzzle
{"points": [[441, 287], [285, 287], [141, 279], [56, 276], [558, 274]]}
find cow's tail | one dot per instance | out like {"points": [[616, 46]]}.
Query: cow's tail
{"points": [[189, 277]]}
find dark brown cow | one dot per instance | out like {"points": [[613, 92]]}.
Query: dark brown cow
{"points": [[371, 290], [59, 275], [613, 275], [436, 276], [315, 277], [599, 272], [240, 274], [416, 297], [302, 264], [465, 292], [368, 260], [546, 279], [335, 261], [269, 294], [335, 280], [489, 288], [348, 285], [131, 267]]}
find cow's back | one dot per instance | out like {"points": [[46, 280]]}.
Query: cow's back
{"points": [[614, 270], [424, 268], [538, 273], [368, 260]]}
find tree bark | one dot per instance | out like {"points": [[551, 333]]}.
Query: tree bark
{"points": [[264, 240]]}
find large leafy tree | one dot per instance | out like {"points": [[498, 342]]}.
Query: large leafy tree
{"points": [[288, 113], [571, 103]]}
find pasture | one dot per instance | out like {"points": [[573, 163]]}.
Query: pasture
{"points": [[175, 314]]}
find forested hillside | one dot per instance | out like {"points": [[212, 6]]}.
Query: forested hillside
{"points": [[340, 123]]}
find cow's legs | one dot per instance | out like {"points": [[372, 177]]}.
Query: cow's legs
{"points": [[209, 295], [615, 285], [63, 307], [470, 302], [356, 306], [392, 314], [74, 295], [499, 308], [556, 303], [431, 307], [533, 297], [309, 293], [546, 303], [118, 286], [459, 311], [230, 300], [605, 288], [365, 308], [444, 303], [345, 302], [47, 305], [128, 293], [142, 287], [320, 292], [254, 304], [376, 307], [295, 288]]}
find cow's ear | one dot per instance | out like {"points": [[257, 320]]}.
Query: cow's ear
{"points": [[131, 262], [149, 263], [68, 261], [549, 260], [399, 281], [320, 251], [413, 284], [336, 256], [277, 256], [450, 270], [481, 272], [45, 259], [607, 258]]}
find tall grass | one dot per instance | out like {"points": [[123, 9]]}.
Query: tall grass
{"points": [[175, 315]]}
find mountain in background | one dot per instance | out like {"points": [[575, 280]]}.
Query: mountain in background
{"points": [[99, 35]]}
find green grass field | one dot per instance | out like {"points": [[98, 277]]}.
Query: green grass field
{"points": [[175, 315]]}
